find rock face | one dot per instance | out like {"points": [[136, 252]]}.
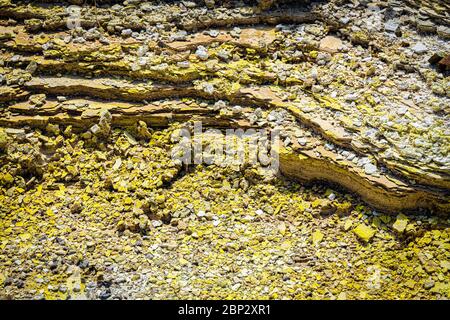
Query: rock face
{"points": [[403, 135], [89, 97]]}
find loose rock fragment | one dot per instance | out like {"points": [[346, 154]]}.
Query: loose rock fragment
{"points": [[400, 223], [330, 44], [364, 232]]}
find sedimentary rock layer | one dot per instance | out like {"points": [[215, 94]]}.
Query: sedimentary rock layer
{"points": [[395, 146]]}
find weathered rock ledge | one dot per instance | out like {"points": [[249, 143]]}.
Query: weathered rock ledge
{"points": [[390, 149]]}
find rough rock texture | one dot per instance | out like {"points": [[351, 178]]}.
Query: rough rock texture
{"points": [[359, 92]]}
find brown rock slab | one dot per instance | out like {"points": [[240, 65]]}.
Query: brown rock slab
{"points": [[330, 44]]}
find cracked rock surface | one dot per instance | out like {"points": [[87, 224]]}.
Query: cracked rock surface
{"points": [[94, 207]]}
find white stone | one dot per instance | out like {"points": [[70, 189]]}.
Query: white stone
{"points": [[419, 48], [213, 33], [183, 64], [201, 213], [202, 53], [302, 141], [208, 88], [95, 129], [157, 223], [369, 168]]}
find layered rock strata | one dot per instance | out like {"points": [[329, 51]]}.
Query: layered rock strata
{"points": [[375, 108]]}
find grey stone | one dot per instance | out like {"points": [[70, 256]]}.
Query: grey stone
{"points": [[426, 26], [202, 53], [443, 32], [391, 26], [428, 284], [419, 48], [369, 168]]}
